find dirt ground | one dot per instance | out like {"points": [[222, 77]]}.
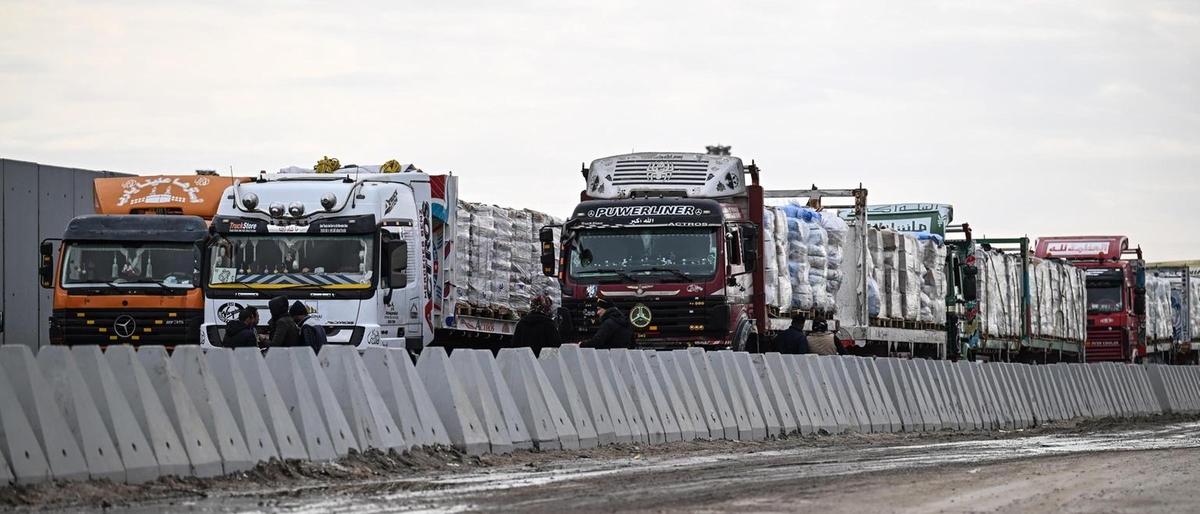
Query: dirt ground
{"points": [[926, 472]]}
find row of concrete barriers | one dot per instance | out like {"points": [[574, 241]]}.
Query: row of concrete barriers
{"points": [[133, 416]]}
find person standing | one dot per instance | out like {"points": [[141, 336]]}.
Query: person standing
{"points": [[615, 329], [537, 329], [284, 331], [793, 341], [312, 333], [241, 332]]}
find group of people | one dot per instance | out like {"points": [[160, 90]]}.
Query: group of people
{"points": [[819, 340], [538, 329], [288, 326]]}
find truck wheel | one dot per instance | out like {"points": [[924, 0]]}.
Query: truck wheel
{"points": [[741, 337]]}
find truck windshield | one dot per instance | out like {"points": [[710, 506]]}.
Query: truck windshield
{"points": [[128, 264], [1104, 298], [279, 261], [664, 254]]}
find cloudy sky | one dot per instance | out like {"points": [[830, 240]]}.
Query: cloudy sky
{"points": [[1032, 118]]}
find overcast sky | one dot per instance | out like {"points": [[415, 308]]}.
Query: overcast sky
{"points": [[1030, 118]]}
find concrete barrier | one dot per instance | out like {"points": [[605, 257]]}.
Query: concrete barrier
{"points": [[1142, 403], [623, 428], [567, 435], [18, 443], [591, 390], [759, 394], [1142, 379], [779, 391], [148, 410], [672, 425], [856, 411], [988, 408], [382, 366], [899, 394], [1190, 386], [1041, 409], [823, 389], [1020, 396], [995, 387], [200, 382], [181, 411], [401, 385], [856, 387], [135, 449], [483, 400], [531, 400], [562, 382], [367, 415], [674, 380], [621, 390], [702, 380], [810, 383], [730, 383], [643, 400], [327, 403], [1063, 395], [803, 409], [300, 402], [925, 410], [236, 390], [67, 461], [449, 398], [276, 414], [502, 394], [949, 393], [1113, 391], [6, 474], [1042, 385], [871, 369], [78, 411], [683, 406], [973, 416], [933, 386]]}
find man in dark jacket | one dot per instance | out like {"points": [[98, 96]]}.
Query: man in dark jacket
{"points": [[312, 333], [615, 329], [793, 341], [240, 333], [284, 331], [537, 329]]}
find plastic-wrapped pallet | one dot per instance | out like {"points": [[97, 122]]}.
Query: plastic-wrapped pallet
{"points": [[818, 260], [769, 259], [520, 279], [480, 291], [543, 284], [890, 290], [838, 231], [783, 282], [797, 259], [1194, 296], [460, 273], [1159, 324], [933, 278], [500, 271], [999, 303], [911, 269]]}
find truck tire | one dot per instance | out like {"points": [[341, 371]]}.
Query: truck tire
{"points": [[743, 339]]}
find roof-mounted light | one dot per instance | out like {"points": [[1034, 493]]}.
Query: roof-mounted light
{"points": [[328, 201], [296, 209], [250, 200], [276, 209]]}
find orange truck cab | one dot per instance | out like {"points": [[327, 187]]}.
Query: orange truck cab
{"points": [[129, 274]]}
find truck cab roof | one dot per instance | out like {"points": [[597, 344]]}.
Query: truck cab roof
{"points": [[1082, 247], [136, 227], [682, 174]]}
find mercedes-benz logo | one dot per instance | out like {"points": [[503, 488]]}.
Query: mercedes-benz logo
{"points": [[640, 316], [125, 326]]}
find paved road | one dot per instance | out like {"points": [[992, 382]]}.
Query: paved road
{"points": [[1124, 471]]}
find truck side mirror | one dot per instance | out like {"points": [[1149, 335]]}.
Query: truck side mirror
{"points": [[546, 236], [970, 283], [46, 266], [1139, 301], [750, 248], [396, 252], [199, 258]]}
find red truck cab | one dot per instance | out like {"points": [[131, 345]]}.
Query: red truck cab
{"points": [[1116, 293]]}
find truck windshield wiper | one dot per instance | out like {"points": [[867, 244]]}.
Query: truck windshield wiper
{"points": [[674, 271], [152, 281], [616, 272]]}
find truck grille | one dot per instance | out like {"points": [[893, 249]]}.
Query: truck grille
{"points": [[1105, 345], [689, 173], [703, 317], [165, 327]]}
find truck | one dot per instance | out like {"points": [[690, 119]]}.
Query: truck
{"points": [[372, 252], [679, 242], [1030, 309], [1183, 280], [1116, 296], [129, 274]]}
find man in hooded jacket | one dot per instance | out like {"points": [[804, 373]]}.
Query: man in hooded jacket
{"points": [[283, 328], [240, 333], [615, 329], [537, 329]]}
